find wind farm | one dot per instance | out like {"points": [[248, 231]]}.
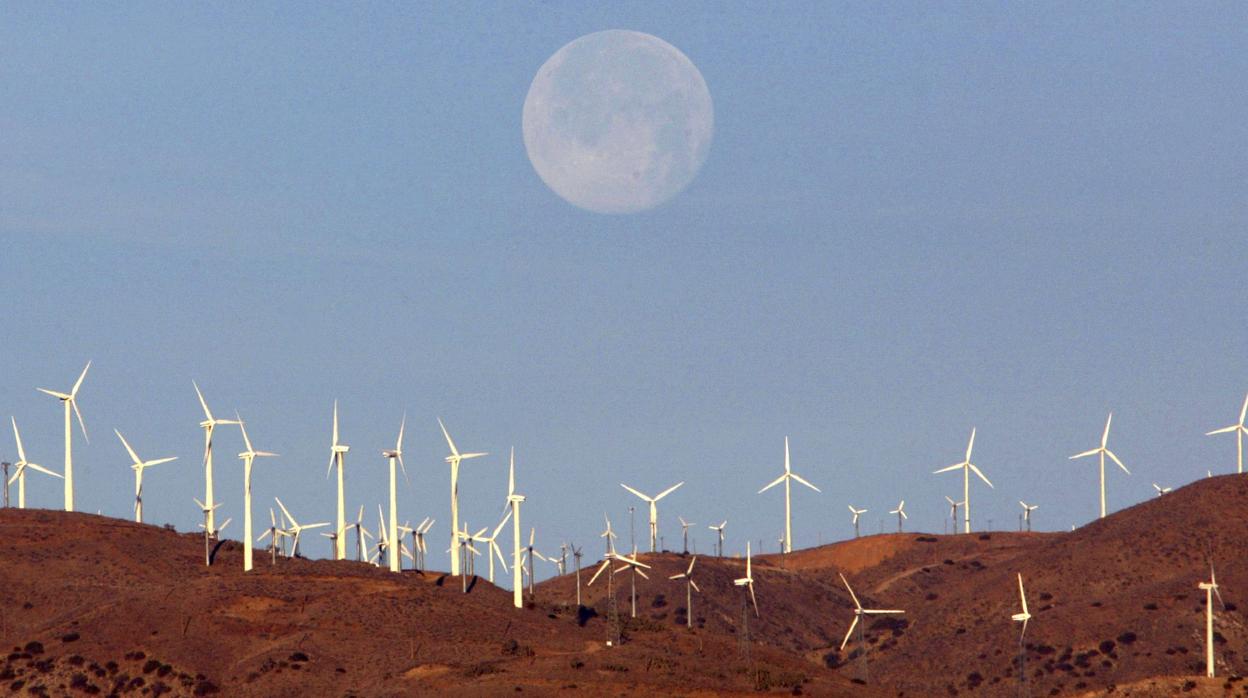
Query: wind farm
{"points": [[600, 262]]}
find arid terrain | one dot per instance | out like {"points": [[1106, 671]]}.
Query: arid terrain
{"points": [[101, 606]]}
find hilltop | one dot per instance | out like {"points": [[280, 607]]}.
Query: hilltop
{"points": [[104, 603]]}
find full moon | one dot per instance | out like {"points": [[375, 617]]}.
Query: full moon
{"points": [[618, 121]]}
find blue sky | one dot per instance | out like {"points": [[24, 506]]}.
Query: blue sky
{"points": [[914, 219]]}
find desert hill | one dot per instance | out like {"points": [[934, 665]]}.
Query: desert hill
{"points": [[101, 605]]}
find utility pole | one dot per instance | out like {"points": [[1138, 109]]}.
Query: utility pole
{"points": [[6, 465], [632, 530]]}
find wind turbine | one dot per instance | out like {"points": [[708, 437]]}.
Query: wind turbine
{"points": [[208, 532], [900, 511], [690, 587], [1160, 490], [654, 509], [953, 511], [209, 424], [1239, 430], [719, 531], [609, 535], [634, 566], [1103, 451], [1027, 509], [396, 561], [1022, 618], [529, 553], [70, 401], [859, 612], [454, 459], [139, 466], [296, 529], [857, 513], [748, 580], [515, 500], [273, 533], [1210, 588], [360, 532], [337, 456], [419, 542], [249, 458], [966, 466], [491, 542], [684, 532], [19, 474], [788, 512], [576, 557]]}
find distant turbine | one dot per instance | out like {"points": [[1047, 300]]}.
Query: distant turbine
{"points": [[748, 580], [296, 529], [70, 401], [953, 511], [684, 532], [966, 466], [209, 424], [1239, 430], [337, 454], [788, 511], [139, 465], [720, 531], [396, 561], [249, 458], [900, 511], [454, 460], [1027, 509], [690, 587], [654, 510], [1103, 451], [857, 513], [1160, 490], [491, 544], [19, 474], [609, 535]]}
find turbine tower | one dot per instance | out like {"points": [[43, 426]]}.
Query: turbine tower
{"points": [[139, 466], [1210, 588], [454, 460], [1103, 451], [396, 561], [249, 458], [1239, 430], [690, 587], [654, 509], [788, 510], [19, 474], [719, 530], [517, 582], [967, 467], [70, 401], [337, 454], [209, 424]]}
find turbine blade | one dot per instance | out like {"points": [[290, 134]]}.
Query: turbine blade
{"points": [[78, 383], [1105, 436], [1225, 430], [955, 466], [635, 492], [1243, 411], [797, 477], [752, 597], [133, 456], [977, 471], [45, 471], [695, 586], [849, 633], [775, 482], [81, 424], [158, 461], [1115, 459], [970, 445], [852, 595], [21, 452], [286, 512], [1085, 454], [53, 393], [449, 443], [202, 402], [668, 491], [605, 564]]}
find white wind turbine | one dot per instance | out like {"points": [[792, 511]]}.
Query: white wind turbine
{"points": [[1210, 588], [19, 474], [491, 545], [1103, 451], [788, 511], [953, 511], [900, 511], [690, 587], [857, 513], [396, 562], [966, 466], [1161, 490], [249, 458], [418, 543], [654, 510], [748, 580], [1022, 618], [859, 612], [139, 466], [515, 500], [719, 531], [337, 456], [609, 535], [684, 532], [454, 460], [1027, 509], [296, 529], [209, 533], [634, 566], [529, 553], [360, 532], [209, 424], [70, 401], [1239, 430], [273, 533]]}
